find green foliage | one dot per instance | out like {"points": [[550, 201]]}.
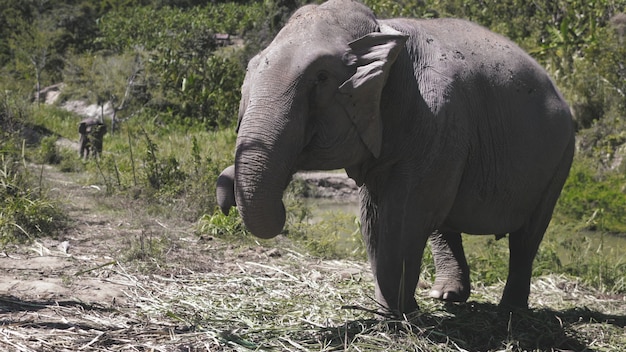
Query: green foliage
{"points": [[161, 171], [596, 83], [223, 226], [403, 8], [54, 121], [184, 70], [25, 211], [333, 236], [48, 153], [197, 90], [596, 258], [170, 167], [37, 34], [192, 28], [597, 200]]}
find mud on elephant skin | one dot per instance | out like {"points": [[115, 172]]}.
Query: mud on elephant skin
{"points": [[91, 132], [444, 125]]}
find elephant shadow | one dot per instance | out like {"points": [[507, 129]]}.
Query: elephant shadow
{"points": [[476, 326]]}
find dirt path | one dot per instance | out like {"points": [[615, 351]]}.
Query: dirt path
{"points": [[61, 293], [126, 278], [102, 232], [51, 269]]}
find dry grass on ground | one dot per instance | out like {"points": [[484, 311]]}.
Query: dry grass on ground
{"points": [[293, 302], [124, 280]]}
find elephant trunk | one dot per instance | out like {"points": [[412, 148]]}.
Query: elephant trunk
{"points": [[264, 163]]}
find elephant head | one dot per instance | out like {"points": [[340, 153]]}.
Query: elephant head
{"points": [[310, 100]]}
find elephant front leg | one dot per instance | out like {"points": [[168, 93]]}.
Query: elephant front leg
{"points": [[395, 251], [452, 281], [396, 272], [84, 146]]}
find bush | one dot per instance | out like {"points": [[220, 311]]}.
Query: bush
{"points": [[185, 71], [223, 226], [48, 153], [598, 200], [26, 212], [174, 168]]}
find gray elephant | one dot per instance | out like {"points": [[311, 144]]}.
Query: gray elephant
{"points": [[91, 132], [446, 126]]}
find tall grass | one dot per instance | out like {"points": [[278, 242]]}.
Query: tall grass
{"points": [[173, 165], [26, 212]]}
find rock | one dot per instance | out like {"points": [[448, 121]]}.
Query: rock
{"points": [[330, 185]]}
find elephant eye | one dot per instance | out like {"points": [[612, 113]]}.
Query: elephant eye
{"points": [[321, 77]]}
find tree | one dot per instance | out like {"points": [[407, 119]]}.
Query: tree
{"points": [[33, 47], [107, 78]]}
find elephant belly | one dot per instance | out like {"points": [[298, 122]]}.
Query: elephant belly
{"points": [[473, 213], [505, 180]]}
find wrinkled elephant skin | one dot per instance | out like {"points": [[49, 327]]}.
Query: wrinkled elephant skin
{"points": [[446, 126]]}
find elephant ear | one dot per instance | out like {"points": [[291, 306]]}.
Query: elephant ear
{"points": [[373, 55], [82, 128]]}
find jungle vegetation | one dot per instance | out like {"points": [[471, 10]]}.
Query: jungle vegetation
{"points": [[170, 72]]}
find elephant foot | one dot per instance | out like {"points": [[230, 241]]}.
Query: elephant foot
{"points": [[450, 290], [514, 297]]}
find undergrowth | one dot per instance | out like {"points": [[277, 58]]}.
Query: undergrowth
{"points": [[26, 211], [597, 199]]}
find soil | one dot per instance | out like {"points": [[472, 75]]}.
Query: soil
{"points": [[111, 246], [45, 270], [80, 268], [51, 268], [94, 287]]}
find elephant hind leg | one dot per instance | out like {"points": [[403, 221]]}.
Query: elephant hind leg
{"points": [[523, 246], [452, 281], [524, 243]]}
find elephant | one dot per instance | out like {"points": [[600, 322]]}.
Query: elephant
{"points": [[446, 127], [91, 132]]}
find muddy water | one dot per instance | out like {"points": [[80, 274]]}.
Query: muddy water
{"points": [[320, 207]]}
